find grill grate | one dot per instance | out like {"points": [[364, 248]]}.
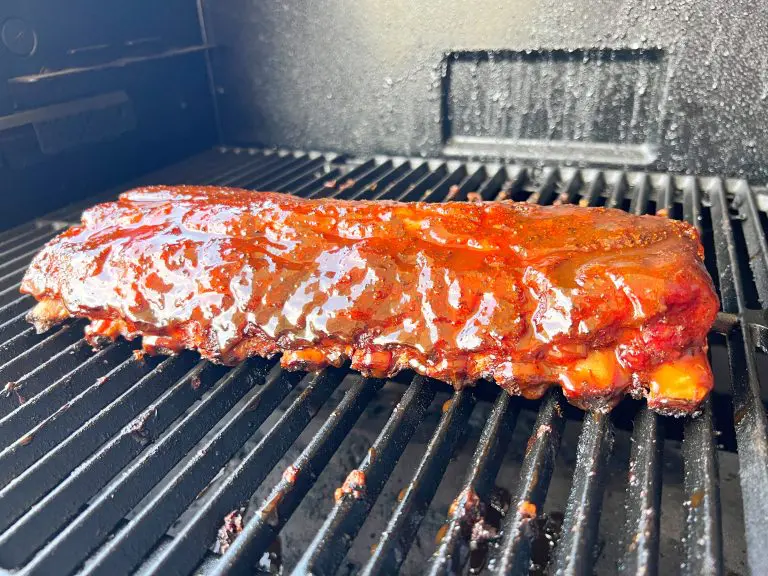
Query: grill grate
{"points": [[101, 452]]}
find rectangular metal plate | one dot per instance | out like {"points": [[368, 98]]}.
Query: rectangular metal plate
{"points": [[101, 118], [584, 105]]}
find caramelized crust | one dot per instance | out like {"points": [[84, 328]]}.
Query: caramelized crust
{"points": [[593, 299]]}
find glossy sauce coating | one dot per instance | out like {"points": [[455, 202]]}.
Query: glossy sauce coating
{"points": [[597, 300]]}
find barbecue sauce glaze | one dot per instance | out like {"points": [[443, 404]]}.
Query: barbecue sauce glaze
{"points": [[596, 300]]}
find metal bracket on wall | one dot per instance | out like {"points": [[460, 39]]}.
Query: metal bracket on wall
{"points": [[588, 105], [119, 63], [68, 124]]}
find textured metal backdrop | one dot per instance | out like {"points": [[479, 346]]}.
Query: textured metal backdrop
{"points": [[368, 77]]}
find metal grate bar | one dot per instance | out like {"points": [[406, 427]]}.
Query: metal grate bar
{"points": [[351, 187], [21, 493], [513, 555], [42, 393], [643, 497], [326, 552], [703, 537], [59, 364], [749, 412], [420, 189], [12, 264], [73, 543], [236, 162], [207, 176], [19, 335], [197, 168], [257, 181], [643, 501], [264, 168], [12, 279], [306, 170], [328, 188], [396, 188], [190, 545], [594, 191], [254, 166], [492, 186], [618, 193], [755, 240], [202, 172], [53, 429], [574, 554], [304, 164], [11, 234], [48, 515], [303, 180], [459, 193], [201, 166], [307, 190], [472, 184], [354, 182], [569, 190], [21, 245], [15, 308], [30, 349], [38, 397], [452, 551], [372, 189], [544, 193], [413, 501], [667, 198], [13, 326], [7, 296], [246, 169], [144, 530], [287, 494], [123, 552], [263, 173], [441, 189], [642, 194], [21, 415], [513, 186]]}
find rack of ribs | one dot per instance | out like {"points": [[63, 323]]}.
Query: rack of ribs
{"points": [[598, 301]]}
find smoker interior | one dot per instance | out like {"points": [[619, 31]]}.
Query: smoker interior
{"points": [[113, 464]]}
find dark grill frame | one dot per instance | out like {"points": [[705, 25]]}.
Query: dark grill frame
{"points": [[74, 420]]}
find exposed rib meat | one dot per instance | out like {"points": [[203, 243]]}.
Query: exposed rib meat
{"points": [[597, 300]]}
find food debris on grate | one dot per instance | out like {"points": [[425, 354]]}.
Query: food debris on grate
{"points": [[354, 485], [230, 529], [487, 529]]}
